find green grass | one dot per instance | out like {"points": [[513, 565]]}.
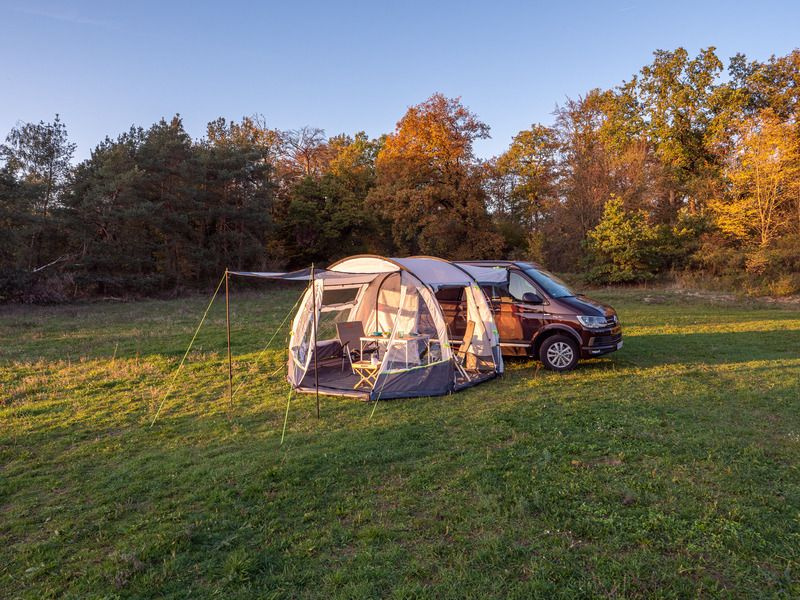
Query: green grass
{"points": [[668, 469]]}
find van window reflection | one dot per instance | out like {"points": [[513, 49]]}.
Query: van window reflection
{"points": [[551, 284], [518, 286]]}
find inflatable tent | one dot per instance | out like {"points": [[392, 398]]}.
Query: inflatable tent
{"points": [[403, 348]]}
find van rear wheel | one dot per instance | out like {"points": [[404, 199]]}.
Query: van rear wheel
{"points": [[559, 353]]}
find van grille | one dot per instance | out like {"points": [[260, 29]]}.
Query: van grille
{"points": [[605, 340]]}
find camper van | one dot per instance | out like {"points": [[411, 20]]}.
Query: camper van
{"points": [[538, 315]]}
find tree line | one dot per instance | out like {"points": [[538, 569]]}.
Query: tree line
{"points": [[687, 169]]}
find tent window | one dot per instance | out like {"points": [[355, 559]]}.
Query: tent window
{"points": [[326, 327], [331, 296]]}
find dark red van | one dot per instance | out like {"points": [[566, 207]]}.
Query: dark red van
{"points": [[538, 315]]}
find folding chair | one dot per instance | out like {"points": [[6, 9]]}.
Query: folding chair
{"points": [[460, 355], [349, 335], [367, 372]]}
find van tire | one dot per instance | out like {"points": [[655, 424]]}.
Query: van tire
{"points": [[559, 353]]}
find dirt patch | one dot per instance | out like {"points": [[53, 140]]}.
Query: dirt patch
{"points": [[790, 300], [605, 461]]}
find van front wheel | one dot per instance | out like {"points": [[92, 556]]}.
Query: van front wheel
{"points": [[559, 353]]}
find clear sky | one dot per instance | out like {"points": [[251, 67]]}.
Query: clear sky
{"points": [[345, 66]]}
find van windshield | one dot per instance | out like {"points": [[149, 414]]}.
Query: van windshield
{"points": [[551, 284]]}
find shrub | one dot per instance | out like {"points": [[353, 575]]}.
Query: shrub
{"points": [[621, 247], [718, 259], [17, 285], [774, 270], [13, 283], [756, 262], [785, 285], [783, 256], [676, 244]]}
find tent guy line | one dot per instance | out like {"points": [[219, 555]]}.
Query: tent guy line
{"points": [[185, 354]]}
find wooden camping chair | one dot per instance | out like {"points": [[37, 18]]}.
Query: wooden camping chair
{"points": [[460, 355], [367, 372], [349, 334]]}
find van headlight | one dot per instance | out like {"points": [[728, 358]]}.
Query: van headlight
{"points": [[592, 322]]}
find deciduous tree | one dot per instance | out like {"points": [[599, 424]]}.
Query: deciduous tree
{"points": [[38, 155], [429, 183], [761, 198]]}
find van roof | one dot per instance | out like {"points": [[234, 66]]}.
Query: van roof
{"points": [[500, 263]]}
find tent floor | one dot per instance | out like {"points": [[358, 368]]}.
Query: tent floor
{"points": [[334, 381], [362, 395]]}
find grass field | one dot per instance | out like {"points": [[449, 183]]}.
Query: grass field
{"points": [[669, 469]]}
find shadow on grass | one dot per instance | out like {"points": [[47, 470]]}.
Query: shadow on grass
{"points": [[346, 494], [357, 495], [709, 348], [645, 351], [641, 351]]}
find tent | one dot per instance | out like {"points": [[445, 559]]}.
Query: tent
{"points": [[394, 301]]}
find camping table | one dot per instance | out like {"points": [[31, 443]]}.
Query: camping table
{"points": [[405, 340]]}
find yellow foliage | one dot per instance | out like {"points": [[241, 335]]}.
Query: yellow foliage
{"points": [[439, 133], [733, 217], [763, 180]]}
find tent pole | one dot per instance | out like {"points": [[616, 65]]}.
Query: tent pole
{"points": [[377, 296], [314, 325], [228, 328]]}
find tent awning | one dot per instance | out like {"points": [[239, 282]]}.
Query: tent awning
{"points": [[334, 277], [487, 275], [436, 273]]}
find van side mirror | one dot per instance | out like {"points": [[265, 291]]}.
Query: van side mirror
{"points": [[532, 298]]}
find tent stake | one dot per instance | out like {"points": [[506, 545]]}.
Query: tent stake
{"points": [[314, 325], [228, 328]]}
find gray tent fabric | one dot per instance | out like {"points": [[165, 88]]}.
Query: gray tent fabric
{"points": [[487, 275], [301, 275], [305, 275], [436, 380], [436, 273]]}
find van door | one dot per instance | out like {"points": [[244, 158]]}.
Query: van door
{"points": [[528, 317], [508, 324]]}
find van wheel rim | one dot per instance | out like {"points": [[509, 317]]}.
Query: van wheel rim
{"points": [[560, 354]]}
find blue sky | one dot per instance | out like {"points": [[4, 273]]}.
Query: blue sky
{"points": [[345, 66]]}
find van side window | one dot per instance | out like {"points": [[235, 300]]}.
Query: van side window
{"points": [[450, 294], [518, 285]]}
